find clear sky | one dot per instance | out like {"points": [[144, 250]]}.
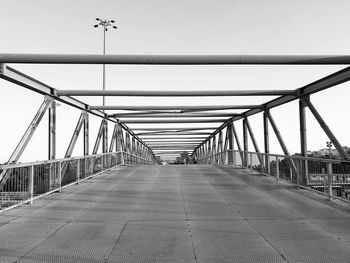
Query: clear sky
{"points": [[243, 27]]}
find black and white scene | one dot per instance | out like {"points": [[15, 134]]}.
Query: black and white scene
{"points": [[161, 131]]}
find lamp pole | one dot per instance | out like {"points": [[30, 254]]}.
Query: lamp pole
{"points": [[104, 23], [329, 145]]}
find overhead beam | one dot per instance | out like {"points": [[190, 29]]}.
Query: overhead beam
{"points": [[184, 108], [329, 81], [21, 79], [175, 129], [175, 59], [172, 141], [174, 115], [175, 121], [173, 133], [146, 139], [174, 93]]}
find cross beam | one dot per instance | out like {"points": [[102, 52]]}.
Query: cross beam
{"points": [[176, 59], [174, 93]]}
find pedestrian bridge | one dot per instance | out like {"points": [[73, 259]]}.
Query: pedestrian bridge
{"points": [[227, 204], [192, 213]]}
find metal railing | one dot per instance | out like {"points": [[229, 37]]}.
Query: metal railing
{"points": [[28, 181], [327, 176]]}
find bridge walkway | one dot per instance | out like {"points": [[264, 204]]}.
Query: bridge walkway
{"points": [[196, 213]]}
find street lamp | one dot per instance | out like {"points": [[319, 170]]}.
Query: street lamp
{"points": [[104, 24], [329, 145]]}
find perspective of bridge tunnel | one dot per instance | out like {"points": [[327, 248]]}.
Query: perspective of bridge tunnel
{"points": [[209, 152]]}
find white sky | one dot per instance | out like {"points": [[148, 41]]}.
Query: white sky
{"points": [[174, 27]]}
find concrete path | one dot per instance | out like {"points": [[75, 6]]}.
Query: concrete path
{"points": [[177, 214]]}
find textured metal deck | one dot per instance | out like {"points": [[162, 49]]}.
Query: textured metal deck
{"points": [[177, 214]]}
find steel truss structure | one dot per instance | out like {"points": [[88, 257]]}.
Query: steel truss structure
{"points": [[206, 143]]}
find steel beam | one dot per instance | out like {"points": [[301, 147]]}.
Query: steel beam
{"points": [[266, 140], [120, 139], [281, 142], [174, 115], [177, 133], [329, 81], [30, 131], [303, 139], [171, 148], [86, 134], [175, 59], [75, 135], [174, 93], [170, 151], [230, 143], [99, 137], [52, 131], [175, 121], [245, 142], [19, 78], [326, 129], [179, 138], [114, 138], [174, 129], [172, 144], [105, 136], [181, 108], [252, 137], [25, 138], [220, 148], [172, 141], [278, 134], [237, 142], [302, 120]]}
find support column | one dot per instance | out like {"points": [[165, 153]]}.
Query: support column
{"points": [[230, 143], [105, 136], [303, 140], [219, 149], [52, 131], [86, 134], [215, 157], [267, 141], [245, 142]]}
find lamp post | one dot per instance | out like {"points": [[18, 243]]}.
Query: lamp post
{"points": [[329, 145], [104, 24]]}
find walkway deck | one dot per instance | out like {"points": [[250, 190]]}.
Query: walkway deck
{"points": [[177, 214]]}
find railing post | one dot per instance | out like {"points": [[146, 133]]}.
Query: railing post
{"points": [[251, 161], [60, 177], [234, 158], [330, 179], [277, 168], [50, 175], [31, 184], [78, 171], [298, 178]]}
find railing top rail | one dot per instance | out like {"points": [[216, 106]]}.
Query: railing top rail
{"points": [[18, 165], [334, 161]]}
